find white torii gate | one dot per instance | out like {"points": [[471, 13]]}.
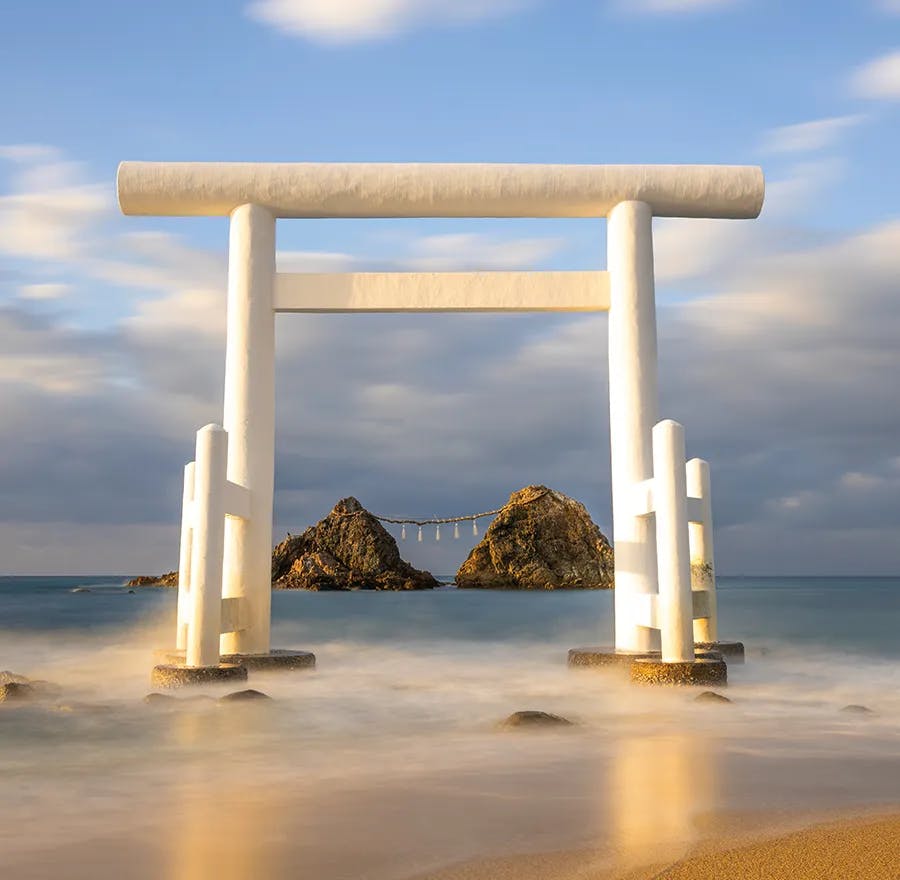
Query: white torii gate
{"points": [[652, 564]]}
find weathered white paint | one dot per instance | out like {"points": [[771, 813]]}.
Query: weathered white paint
{"points": [[208, 546], [674, 605], [443, 292], [307, 189], [249, 419], [632, 411], [703, 566], [184, 557]]}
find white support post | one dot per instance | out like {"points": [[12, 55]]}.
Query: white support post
{"points": [[633, 402], [208, 546], [675, 607], [703, 568], [184, 558], [249, 419]]}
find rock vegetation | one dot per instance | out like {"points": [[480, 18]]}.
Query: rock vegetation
{"points": [[541, 540], [348, 550]]}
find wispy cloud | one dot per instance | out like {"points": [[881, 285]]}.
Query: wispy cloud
{"points": [[809, 137], [49, 208], [878, 79], [351, 21], [44, 291], [674, 6]]}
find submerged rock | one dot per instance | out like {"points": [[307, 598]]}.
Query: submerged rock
{"points": [[854, 709], [16, 692], [34, 688], [541, 540], [7, 677], [711, 697], [535, 718], [247, 696], [169, 579], [156, 699], [348, 550]]}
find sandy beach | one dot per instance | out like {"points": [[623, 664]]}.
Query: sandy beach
{"points": [[856, 848]]}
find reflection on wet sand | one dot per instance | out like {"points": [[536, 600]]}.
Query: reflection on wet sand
{"points": [[658, 786], [223, 826]]}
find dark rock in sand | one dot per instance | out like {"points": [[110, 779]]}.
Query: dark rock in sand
{"points": [[348, 550], [248, 695], [711, 697], [541, 540], [16, 692], [854, 709], [169, 579], [534, 718]]}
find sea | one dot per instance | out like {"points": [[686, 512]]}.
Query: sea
{"points": [[390, 759]]}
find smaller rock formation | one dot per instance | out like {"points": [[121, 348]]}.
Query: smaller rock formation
{"points": [[348, 550], [169, 579], [541, 540], [534, 718]]}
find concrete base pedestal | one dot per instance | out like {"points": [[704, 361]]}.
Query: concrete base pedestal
{"points": [[606, 657], [691, 672], [171, 675], [273, 661], [602, 657], [732, 652]]}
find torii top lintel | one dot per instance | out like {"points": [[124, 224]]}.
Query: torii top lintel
{"points": [[320, 190]]}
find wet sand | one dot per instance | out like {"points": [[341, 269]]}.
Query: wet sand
{"points": [[853, 849]]}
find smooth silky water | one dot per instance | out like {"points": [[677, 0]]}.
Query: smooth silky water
{"points": [[386, 762]]}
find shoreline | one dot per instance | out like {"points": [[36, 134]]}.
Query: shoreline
{"points": [[862, 844]]}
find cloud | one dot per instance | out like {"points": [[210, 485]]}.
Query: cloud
{"points": [[674, 6], [44, 291], [889, 6], [350, 21], [49, 208], [702, 249], [779, 367], [808, 137], [878, 79]]}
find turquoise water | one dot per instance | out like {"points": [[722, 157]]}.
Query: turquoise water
{"points": [[856, 615]]}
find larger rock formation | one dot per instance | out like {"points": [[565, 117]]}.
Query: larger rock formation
{"points": [[348, 550], [541, 540]]}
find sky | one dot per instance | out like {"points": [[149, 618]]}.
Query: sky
{"points": [[777, 337]]}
